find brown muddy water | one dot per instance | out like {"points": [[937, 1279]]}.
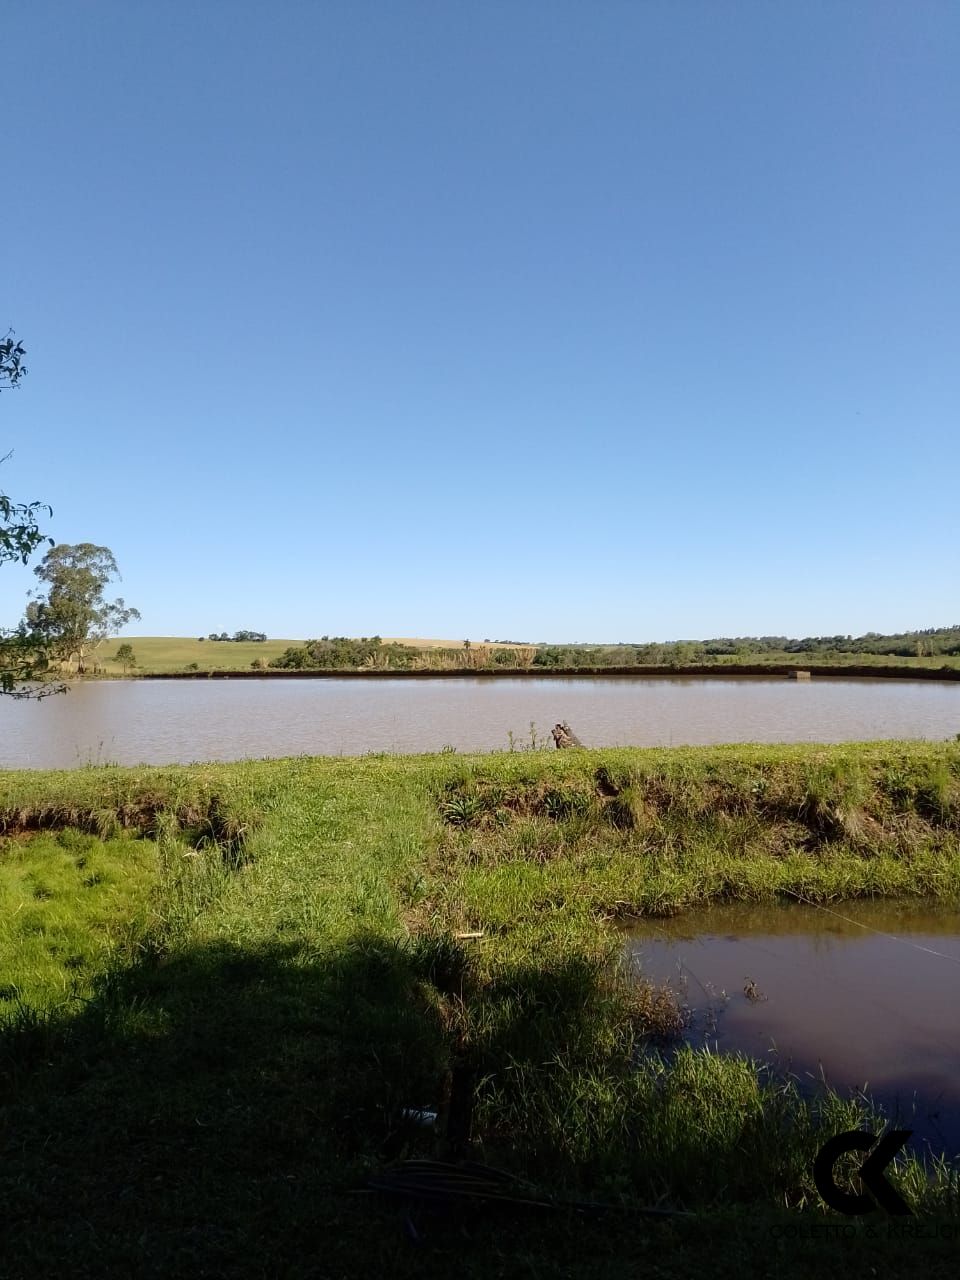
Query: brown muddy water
{"points": [[863, 995], [170, 721]]}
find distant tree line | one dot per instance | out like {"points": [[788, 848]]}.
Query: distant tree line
{"points": [[370, 652], [344, 653], [675, 653], [237, 636], [931, 643]]}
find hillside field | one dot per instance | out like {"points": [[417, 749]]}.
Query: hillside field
{"points": [[173, 653]]}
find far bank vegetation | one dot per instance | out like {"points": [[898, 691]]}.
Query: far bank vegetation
{"points": [[341, 653], [936, 648]]}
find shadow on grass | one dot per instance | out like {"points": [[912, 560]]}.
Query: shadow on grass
{"points": [[214, 1112], [209, 1102]]}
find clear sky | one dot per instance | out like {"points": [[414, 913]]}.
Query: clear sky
{"points": [[539, 321]]}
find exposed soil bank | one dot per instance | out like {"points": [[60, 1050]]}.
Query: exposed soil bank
{"points": [[888, 672]]}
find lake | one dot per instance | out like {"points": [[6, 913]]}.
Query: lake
{"points": [[169, 721]]}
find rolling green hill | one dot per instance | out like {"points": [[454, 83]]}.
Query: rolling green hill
{"points": [[174, 653]]}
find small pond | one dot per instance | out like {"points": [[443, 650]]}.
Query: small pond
{"points": [[864, 995]]}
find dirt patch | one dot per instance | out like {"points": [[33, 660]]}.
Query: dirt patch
{"points": [[146, 815]]}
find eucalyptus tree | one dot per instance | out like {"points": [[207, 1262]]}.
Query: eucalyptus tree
{"points": [[72, 617]]}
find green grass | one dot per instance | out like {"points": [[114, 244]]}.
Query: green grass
{"points": [[290, 979], [684, 827], [67, 900], [157, 654]]}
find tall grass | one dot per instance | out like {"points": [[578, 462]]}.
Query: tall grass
{"points": [[303, 951]]}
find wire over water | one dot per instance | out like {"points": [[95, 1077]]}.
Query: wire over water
{"points": [[869, 928]]}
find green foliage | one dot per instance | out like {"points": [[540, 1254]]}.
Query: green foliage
{"points": [[906, 644], [339, 653], [24, 658], [935, 642], [22, 654], [125, 656], [294, 658], [12, 368], [20, 533], [74, 614]]}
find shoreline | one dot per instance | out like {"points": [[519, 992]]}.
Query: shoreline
{"points": [[858, 671]]}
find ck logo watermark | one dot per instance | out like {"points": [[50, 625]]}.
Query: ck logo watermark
{"points": [[881, 1193]]}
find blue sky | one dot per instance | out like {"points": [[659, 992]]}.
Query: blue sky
{"points": [[568, 321]]}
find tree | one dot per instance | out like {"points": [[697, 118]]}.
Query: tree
{"points": [[23, 661], [22, 656], [19, 532], [12, 368], [125, 656], [74, 616]]}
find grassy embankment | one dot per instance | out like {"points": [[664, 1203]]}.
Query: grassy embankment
{"points": [[202, 1089]]}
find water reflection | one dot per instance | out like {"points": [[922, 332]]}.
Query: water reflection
{"points": [[180, 721], [862, 995]]}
